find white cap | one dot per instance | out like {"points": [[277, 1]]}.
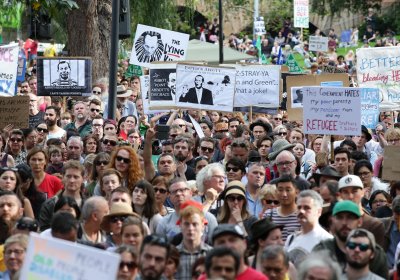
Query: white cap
{"points": [[350, 181]]}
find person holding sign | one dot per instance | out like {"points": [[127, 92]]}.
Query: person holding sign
{"points": [[198, 93]]}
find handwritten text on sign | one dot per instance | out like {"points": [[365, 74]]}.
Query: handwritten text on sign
{"points": [[8, 69], [332, 111], [15, 111], [257, 86], [369, 107], [301, 13]]}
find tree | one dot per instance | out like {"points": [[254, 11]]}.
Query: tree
{"points": [[335, 7]]}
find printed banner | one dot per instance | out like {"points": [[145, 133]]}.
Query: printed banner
{"points": [[15, 111], [51, 258], [8, 69], [332, 110], [257, 86], [203, 87], [145, 87], [301, 13], [162, 85], [318, 43], [369, 107], [64, 76], [380, 68], [154, 44]]}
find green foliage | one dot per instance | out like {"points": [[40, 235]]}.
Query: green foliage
{"points": [[335, 7], [279, 10]]}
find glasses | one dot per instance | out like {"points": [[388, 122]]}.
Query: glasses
{"points": [[124, 160], [278, 119], [207, 149], [363, 174], [379, 201], [183, 190], [234, 169], [394, 141], [41, 129], [270, 201], [162, 191], [111, 142], [233, 198], [96, 92], [282, 133], [6, 168], [16, 252], [129, 265], [102, 162], [95, 110], [16, 139], [284, 163], [353, 245], [118, 219], [27, 226]]}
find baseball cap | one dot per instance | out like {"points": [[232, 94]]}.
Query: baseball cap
{"points": [[346, 206], [227, 229], [350, 181]]}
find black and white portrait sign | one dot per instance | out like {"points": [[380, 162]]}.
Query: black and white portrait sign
{"points": [[162, 85], [154, 44], [205, 87], [297, 97], [64, 76]]}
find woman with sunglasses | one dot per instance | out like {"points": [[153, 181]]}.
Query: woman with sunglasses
{"points": [[15, 146], [126, 161], [280, 132], [268, 197], [42, 133], [110, 179], [234, 211], [100, 163], [160, 187], [235, 169], [144, 204], [128, 266], [90, 144], [10, 181], [5, 159]]}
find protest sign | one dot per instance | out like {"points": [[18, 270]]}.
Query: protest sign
{"points": [[8, 69], [50, 258], [133, 70], [293, 65], [331, 69], [197, 127], [15, 111], [332, 110], [21, 66], [369, 107], [205, 87], [318, 43], [390, 166], [301, 13], [259, 26], [332, 84], [67, 76], [154, 44], [162, 86], [257, 86], [380, 68], [145, 87]]}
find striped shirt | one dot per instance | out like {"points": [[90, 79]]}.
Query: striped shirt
{"points": [[290, 223]]}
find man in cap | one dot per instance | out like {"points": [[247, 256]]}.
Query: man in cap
{"points": [[360, 250], [346, 216], [351, 188], [128, 107], [327, 173]]}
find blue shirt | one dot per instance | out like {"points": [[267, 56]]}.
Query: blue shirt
{"points": [[254, 206], [394, 240]]}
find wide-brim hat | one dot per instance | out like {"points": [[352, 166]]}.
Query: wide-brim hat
{"points": [[266, 126], [367, 133], [262, 228], [279, 146], [123, 92], [117, 209], [235, 187], [327, 171]]}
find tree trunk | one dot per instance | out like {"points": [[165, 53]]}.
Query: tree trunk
{"points": [[89, 34]]}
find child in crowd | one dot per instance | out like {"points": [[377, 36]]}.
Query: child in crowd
{"points": [[56, 161]]}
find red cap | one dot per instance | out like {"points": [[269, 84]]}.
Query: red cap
{"points": [[194, 204]]}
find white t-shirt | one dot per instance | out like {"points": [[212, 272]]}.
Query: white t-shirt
{"points": [[307, 241]]}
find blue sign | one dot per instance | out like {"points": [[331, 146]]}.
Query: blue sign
{"points": [[332, 84], [369, 107]]}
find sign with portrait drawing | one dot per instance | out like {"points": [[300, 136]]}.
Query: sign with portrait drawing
{"points": [[153, 44], [66, 76], [162, 85], [205, 87]]}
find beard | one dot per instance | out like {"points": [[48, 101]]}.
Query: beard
{"points": [[50, 122], [358, 265], [180, 157]]}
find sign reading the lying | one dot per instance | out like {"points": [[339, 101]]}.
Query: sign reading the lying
{"points": [[67, 76], [380, 68], [14, 111], [50, 258], [154, 44], [162, 85], [369, 107], [332, 110], [203, 87], [257, 86], [8, 69]]}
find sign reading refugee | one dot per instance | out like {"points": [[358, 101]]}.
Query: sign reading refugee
{"points": [[162, 85], [257, 86], [380, 68], [51, 258], [205, 87], [332, 110], [14, 111], [154, 44], [301, 13], [8, 69], [369, 107], [318, 43], [64, 76]]}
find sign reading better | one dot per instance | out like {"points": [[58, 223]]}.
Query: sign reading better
{"points": [[332, 110]]}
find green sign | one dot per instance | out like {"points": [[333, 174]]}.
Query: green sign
{"points": [[292, 64], [133, 70], [10, 15]]}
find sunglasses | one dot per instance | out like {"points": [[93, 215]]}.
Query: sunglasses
{"points": [[111, 142], [40, 129], [232, 198], [129, 265], [31, 227], [282, 133], [95, 110], [118, 219], [16, 140], [270, 201], [6, 168], [207, 149], [277, 119], [124, 160], [234, 169], [362, 246], [102, 162], [162, 191], [97, 92], [173, 135]]}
